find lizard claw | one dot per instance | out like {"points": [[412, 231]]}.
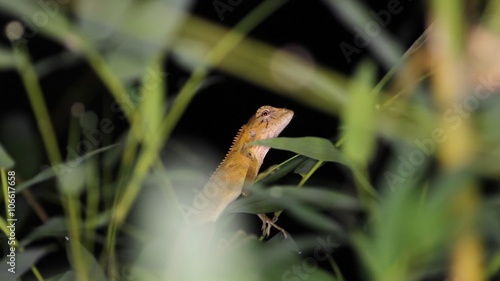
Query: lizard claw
{"points": [[266, 226]]}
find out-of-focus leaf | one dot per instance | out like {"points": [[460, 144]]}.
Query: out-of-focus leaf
{"points": [[67, 276], [6, 162], [279, 197], [407, 226], [48, 18], [72, 181], [62, 168], [359, 116], [309, 216], [93, 269], [288, 243], [56, 62], [152, 101], [401, 171], [57, 227], [23, 261], [42, 176], [131, 33], [312, 147], [302, 203], [54, 227]]}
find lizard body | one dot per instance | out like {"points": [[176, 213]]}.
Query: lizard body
{"points": [[241, 163]]}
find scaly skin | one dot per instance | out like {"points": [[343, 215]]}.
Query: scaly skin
{"points": [[241, 163]]}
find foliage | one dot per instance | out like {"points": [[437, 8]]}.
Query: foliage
{"points": [[428, 212]]}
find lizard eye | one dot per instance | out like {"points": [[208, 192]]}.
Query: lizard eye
{"points": [[264, 113]]}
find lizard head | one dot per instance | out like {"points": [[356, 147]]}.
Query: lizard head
{"points": [[268, 122]]}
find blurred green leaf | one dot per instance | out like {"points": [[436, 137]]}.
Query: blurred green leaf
{"points": [[407, 232], [23, 261], [131, 33], [280, 197], [288, 243], [57, 62], [6, 162], [93, 268], [312, 218], [66, 276], [40, 177], [61, 168], [303, 204], [72, 181], [48, 18], [359, 116], [54, 227], [57, 227], [152, 99]]}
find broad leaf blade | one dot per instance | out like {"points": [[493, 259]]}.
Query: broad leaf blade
{"points": [[312, 147], [359, 117], [61, 169], [23, 262]]}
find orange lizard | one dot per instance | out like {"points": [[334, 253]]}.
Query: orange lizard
{"points": [[241, 165]]}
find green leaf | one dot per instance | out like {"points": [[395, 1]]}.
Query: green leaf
{"points": [[49, 19], [280, 170], [72, 181], [6, 162], [315, 219], [23, 261], [407, 226], [305, 167], [61, 168], [93, 269], [303, 203], [312, 147], [359, 116], [280, 197], [134, 33], [54, 227], [152, 101], [57, 227], [67, 276]]}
